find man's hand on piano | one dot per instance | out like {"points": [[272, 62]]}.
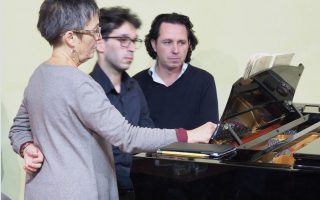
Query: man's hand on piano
{"points": [[202, 134]]}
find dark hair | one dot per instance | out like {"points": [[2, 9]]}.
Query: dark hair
{"points": [[172, 18], [59, 16], [112, 18]]}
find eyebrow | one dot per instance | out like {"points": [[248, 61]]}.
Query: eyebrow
{"points": [[167, 39], [126, 35]]}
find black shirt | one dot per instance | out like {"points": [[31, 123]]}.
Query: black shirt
{"points": [[132, 104], [188, 103]]}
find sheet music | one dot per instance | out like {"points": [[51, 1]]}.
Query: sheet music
{"points": [[261, 61]]}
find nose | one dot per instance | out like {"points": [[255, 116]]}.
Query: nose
{"points": [[132, 46], [175, 48]]}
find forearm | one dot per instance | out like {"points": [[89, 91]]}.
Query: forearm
{"points": [[20, 131]]}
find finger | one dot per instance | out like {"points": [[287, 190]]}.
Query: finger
{"points": [[37, 160], [37, 154], [34, 152], [34, 165], [30, 152], [40, 155], [29, 170]]}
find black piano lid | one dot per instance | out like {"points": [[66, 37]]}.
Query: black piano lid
{"points": [[259, 104]]}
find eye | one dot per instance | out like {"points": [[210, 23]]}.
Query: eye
{"points": [[166, 42], [182, 43], [124, 39]]}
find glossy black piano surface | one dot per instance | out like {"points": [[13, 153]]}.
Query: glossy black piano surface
{"points": [[267, 129]]}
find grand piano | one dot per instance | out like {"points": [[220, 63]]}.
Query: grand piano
{"points": [[277, 148]]}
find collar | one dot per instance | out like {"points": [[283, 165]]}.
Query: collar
{"points": [[156, 78], [98, 75]]}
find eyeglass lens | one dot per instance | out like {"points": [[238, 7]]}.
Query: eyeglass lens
{"points": [[125, 42]]}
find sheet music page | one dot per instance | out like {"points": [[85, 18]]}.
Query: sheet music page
{"points": [[259, 62], [282, 59]]}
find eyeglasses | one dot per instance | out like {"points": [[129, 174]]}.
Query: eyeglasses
{"points": [[125, 41], [96, 33]]}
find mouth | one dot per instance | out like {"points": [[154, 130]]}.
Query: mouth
{"points": [[174, 58], [130, 59]]}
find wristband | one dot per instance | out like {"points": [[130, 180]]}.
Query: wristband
{"points": [[182, 135]]}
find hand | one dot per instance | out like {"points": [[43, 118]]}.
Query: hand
{"points": [[33, 158], [202, 134]]}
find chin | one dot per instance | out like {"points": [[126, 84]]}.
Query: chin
{"points": [[124, 68], [175, 66], [83, 60], [88, 57]]}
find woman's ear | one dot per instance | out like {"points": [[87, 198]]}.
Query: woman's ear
{"points": [[69, 38]]}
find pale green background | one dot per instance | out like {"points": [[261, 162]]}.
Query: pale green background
{"points": [[229, 32]]}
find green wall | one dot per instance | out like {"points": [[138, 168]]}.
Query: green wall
{"points": [[229, 31]]}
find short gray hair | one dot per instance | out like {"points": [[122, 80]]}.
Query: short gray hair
{"points": [[59, 16]]}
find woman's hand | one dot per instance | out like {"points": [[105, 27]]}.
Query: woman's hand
{"points": [[202, 134], [33, 158]]}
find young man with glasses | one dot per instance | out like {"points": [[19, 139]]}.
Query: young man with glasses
{"points": [[178, 94], [115, 55]]}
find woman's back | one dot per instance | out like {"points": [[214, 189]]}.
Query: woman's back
{"points": [[75, 162]]}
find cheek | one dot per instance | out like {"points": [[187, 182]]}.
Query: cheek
{"points": [[93, 43], [185, 51], [90, 41], [88, 45], [90, 48], [112, 56], [163, 52]]}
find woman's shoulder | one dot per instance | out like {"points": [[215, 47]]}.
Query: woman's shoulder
{"points": [[65, 74]]}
